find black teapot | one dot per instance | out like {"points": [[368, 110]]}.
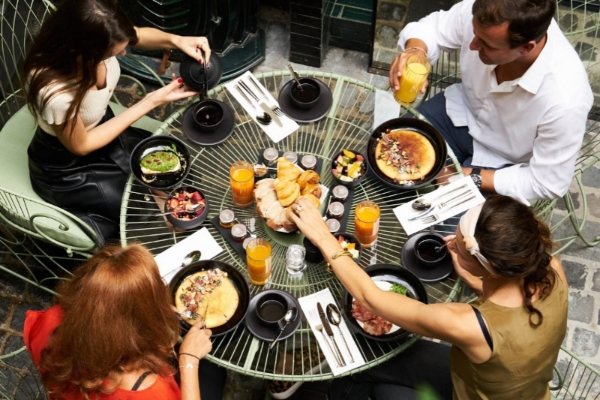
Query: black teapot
{"points": [[199, 76]]}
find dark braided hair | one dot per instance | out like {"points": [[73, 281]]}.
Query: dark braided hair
{"points": [[517, 245]]}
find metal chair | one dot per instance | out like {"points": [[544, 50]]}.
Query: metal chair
{"points": [[38, 241]]}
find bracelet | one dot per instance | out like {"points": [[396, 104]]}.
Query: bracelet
{"points": [[417, 48], [335, 256], [191, 355], [189, 366]]}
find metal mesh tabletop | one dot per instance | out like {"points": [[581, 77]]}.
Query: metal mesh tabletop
{"points": [[348, 125]]}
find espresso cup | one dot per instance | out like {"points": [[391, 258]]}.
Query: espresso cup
{"points": [[271, 308], [425, 250], [307, 97], [208, 115]]}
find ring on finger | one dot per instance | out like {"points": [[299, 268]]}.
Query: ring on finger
{"points": [[298, 208]]}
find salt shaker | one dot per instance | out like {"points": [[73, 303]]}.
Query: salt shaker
{"points": [[294, 259]]}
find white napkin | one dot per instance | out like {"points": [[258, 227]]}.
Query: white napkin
{"points": [[273, 130], [325, 297], [442, 194], [169, 261]]}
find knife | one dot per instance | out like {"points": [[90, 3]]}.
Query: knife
{"points": [[329, 331], [266, 108]]}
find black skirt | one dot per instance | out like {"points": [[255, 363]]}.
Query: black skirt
{"points": [[91, 186]]}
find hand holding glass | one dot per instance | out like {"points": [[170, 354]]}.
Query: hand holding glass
{"points": [[412, 79]]}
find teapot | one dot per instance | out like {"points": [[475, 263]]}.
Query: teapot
{"points": [[199, 76]]}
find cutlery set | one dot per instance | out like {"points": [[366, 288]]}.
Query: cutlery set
{"points": [[322, 324], [258, 98], [428, 216]]}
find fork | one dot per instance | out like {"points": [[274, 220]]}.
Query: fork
{"points": [[436, 217], [315, 317], [275, 109], [189, 314]]}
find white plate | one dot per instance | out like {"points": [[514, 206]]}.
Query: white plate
{"points": [[383, 286]]}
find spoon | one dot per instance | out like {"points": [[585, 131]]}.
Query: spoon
{"points": [[289, 316], [295, 76], [265, 119], [335, 318], [188, 208], [421, 204], [191, 257], [438, 249]]}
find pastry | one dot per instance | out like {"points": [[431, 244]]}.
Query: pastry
{"points": [[287, 171], [404, 155], [313, 189], [308, 177]]}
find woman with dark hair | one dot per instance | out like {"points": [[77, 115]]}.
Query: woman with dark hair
{"points": [[112, 332], [504, 345], [79, 156]]}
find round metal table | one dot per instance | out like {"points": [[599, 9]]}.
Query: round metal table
{"points": [[348, 125]]}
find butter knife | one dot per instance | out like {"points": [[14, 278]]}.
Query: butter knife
{"points": [[266, 108], [329, 332]]}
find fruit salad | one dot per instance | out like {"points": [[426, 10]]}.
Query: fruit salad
{"points": [[351, 247], [186, 204], [348, 166]]}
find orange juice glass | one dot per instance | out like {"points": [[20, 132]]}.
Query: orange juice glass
{"points": [[258, 258], [366, 223], [241, 178], [412, 79]]}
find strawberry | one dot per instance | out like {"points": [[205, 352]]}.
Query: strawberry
{"points": [[341, 239], [173, 203], [335, 172], [360, 158], [196, 197]]}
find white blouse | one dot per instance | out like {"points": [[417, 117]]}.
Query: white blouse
{"points": [[92, 108]]}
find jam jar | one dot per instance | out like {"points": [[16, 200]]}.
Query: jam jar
{"points": [[335, 210], [340, 193], [333, 225], [291, 156], [239, 233], [226, 218], [270, 156], [308, 161]]}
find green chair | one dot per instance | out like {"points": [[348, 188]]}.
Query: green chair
{"points": [[37, 239]]}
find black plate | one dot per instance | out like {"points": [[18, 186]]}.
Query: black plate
{"points": [[389, 273], [160, 143], [208, 138], [236, 278], [424, 273], [320, 109], [415, 125], [268, 333]]}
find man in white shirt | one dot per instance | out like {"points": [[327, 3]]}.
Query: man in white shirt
{"points": [[516, 123]]}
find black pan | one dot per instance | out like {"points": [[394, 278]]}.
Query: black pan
{"points": [[393, 274], [236, 278], [415, 125], [160, 143]]}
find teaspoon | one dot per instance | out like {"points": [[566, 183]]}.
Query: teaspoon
{"points": [[334, 317], [191, 257], [289, 316], [295, 76]]}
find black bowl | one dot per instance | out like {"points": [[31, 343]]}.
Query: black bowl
{"points": [[305, 95], [160, 143], [199, 77], [357, 181], [415, 125], [350, 239], [393, 274], [236, 278], [184, 222]]}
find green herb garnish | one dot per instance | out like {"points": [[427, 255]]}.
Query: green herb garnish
{"points": [[397, 288]]}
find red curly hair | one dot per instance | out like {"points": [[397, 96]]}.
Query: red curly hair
{"points": [[117, 318]]}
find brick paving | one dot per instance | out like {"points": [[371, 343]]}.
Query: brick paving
{"points": [[582, 264]]}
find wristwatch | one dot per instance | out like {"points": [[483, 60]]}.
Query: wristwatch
{"points": [[476, 176]]}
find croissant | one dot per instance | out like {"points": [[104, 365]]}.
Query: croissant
{"points": [[313, 189], [288, 195], [308, 177], [286, 170]]}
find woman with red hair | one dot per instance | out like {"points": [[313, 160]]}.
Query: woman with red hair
{"points": [[112, 332]]}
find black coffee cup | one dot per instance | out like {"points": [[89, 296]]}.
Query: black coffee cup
{"points": [[271, 308], [307, 97], [208, 116], [425, 250]]}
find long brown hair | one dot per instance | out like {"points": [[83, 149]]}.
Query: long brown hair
{"points": [[517, 245], [117, 318], [527, 19], [69, 47]]}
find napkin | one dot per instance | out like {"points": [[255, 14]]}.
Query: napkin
{"points": [[442, 194], [169, 261], [309, 307], [273, 130]]}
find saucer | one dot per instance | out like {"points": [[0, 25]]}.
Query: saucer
{"points": [[426, 274], [320, 109], [267, 333], [208, 138]]}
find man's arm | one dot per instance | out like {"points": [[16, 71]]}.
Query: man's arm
{"points": [[487, 178]]}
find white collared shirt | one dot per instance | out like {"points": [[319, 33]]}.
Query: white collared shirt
{"points": [[536, 122]]}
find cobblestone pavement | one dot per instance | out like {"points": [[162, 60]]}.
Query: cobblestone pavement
{"points": [[582, 264]]}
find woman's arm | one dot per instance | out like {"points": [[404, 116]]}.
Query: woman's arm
{"points": [[80, 141], [452, 322], [195, 346], [151, 39]]}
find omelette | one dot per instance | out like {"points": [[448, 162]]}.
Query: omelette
{"points": [[211, 294], [404, 155]]}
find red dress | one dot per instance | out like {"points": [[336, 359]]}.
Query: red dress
{"points": [[39, 325]]}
